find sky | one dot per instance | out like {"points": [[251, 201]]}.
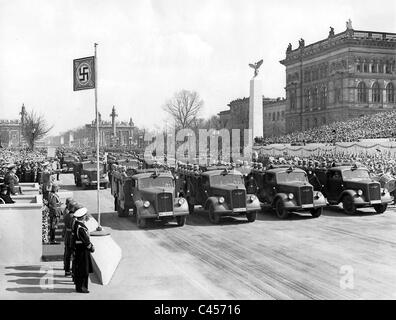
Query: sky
{"points": [[148, 50]]}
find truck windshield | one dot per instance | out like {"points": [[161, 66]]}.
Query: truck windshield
{"points": [[355, 174], [226, 179], [151, 182], [292, 176]]}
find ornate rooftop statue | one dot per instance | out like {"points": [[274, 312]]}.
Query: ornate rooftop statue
{"points": [[256, 66]]}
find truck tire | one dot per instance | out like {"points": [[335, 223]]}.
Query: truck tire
{"points": [[181, 220], [380, 208], [251, 216], [316, 212], [280, 210], [214, 217], [141, 222], [348, 205]]}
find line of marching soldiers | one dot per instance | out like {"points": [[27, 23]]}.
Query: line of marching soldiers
{"points": [[78, 247]]}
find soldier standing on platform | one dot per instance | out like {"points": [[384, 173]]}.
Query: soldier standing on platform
{"points": [[11, 180], [68, 219], [55, 211], [82, 263]]}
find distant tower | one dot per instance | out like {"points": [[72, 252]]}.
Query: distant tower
{"points": [[23, 114], [113, 115]]}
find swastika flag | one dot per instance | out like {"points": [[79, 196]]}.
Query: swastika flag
{"points": [[84, 73]]}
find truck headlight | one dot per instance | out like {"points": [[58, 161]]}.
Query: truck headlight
{"points": [[146, 204], [290, 196], [384, 191], [221, 200], [84, 176], [181, 201], [252, 198], [360, 193], [318, 194]]}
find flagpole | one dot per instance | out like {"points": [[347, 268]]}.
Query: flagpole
{"points": [[99, 228]]}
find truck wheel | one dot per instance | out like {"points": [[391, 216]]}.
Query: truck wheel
{"points": [[251, 216], [181, 220], [280, 210], [141, 222], [348, 205], [380, 208], [214, 217], [317, 212]]}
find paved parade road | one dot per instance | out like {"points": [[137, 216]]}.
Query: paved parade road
{"points": [[332, 257]]}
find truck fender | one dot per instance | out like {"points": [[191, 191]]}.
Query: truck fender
{"points": [[352, 193]]}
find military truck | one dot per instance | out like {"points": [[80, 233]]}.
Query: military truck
{"points": [[85, 174], [218, 189], [286, 189], [150, 193], [352, 186], [68, 163]]}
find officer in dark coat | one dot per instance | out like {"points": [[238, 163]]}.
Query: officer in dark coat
{"points": [[68, 219], [11, 180], [82, 263], [4, 195], [55, 211]]}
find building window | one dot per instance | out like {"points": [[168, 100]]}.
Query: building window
{"points": [[381, 68], [306, 123], [359, 67], [365, 67], [315, 98], [283, 115], [307, 98], [323, 96], [362, 92], [293, 100], [273, 116], [337, 94], [373, 68], [277, 116], [390, 92], [376, 92], [315, 122], [323, 120]]}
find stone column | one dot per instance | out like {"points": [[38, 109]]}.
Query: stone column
{"points": [[256, 108]]}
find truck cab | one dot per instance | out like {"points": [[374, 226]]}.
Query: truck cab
{"points": [[221, 192], [85, 174], [286, 189], [352, 186], [151, 195]]}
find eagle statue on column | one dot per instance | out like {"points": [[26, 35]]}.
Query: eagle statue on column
{"points": [[256, 66]]}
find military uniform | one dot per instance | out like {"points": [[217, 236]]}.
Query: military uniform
{"points": [[11, 180], [82, 263], [69, 221], [54, 206]]}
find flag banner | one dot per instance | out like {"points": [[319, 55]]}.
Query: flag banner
{"points": [[84, 73]]}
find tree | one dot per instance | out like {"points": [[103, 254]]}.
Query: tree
{"points": [[184, 108], [34, 128]]}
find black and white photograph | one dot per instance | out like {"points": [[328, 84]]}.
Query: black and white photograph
{"points": [[185, 150]]}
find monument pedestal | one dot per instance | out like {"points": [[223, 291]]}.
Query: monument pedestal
{"points": [[256, 108]]}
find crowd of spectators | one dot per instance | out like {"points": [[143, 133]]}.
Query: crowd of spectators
{"points": [[379, 125]]}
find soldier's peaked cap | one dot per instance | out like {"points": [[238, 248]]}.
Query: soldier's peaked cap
{"points": [[80, 212]]}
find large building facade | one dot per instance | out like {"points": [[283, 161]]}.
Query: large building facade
{"points": [[343, 76], [11, 131], [111, 134], [237, 117]]}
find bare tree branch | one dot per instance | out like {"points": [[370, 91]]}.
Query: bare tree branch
{"points": [[34, 128], [184, 108]]}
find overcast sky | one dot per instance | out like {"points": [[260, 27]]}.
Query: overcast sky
{"points": [[150, 49]]}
